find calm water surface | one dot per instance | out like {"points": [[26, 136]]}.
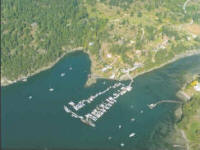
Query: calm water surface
{"points": [[42, 122]]}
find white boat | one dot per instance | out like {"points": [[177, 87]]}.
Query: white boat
{"points": [[70, 68], [71, 103], [62, 74], [109, 105], [122, 144], [51, 89], [74, 115], [66, 109], [109, 138], [132, 119], [129, 88], [151, 106], [30, 97], [94, 112], [120, 126], [131, 135], [88, 122], [106, 107]]}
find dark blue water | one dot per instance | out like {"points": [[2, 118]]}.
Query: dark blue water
{"points": [[42, 123]]}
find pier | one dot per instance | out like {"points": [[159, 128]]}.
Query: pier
{"points": [[101, 108], [152, 106], [91, 117], [83, 102]]}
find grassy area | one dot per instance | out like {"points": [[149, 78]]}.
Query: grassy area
{"points": [[139, 32], [190, 122]]}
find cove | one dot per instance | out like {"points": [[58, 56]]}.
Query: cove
{"points": [[41, 122]]}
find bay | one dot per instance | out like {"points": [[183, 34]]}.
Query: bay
{"points": [[40, 122]]}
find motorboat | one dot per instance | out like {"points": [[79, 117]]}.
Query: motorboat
{"points": [[120, 126], [131, 135], [66, 109], [132, 119], [51, 89], [62, 74], [122, 144], [88, 122]]}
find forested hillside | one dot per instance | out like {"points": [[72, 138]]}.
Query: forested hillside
{"points": [[35, 33], [143, 33]]}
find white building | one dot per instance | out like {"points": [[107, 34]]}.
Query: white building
{"points": [[197, 87]]}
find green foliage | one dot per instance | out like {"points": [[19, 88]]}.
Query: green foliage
{"points": [[170, 32], [119, 49], [151, 30], [35, 32], [191, 107], [121, 3], [190, 122]]}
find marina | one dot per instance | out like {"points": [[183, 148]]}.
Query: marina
{"points": [[47, 120], [100, 109], [83, 102]]}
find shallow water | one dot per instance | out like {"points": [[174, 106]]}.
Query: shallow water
{"points": [[41, 122]]}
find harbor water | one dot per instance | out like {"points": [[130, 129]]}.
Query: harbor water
{"points": [[33, 115]]}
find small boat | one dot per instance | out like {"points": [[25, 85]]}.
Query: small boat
{"points": [[151, 106], [122, 144], [109, 138], [88, 122], [120, 126], [131, 135], [66, 109], [30, 97], [132, 119], [70, 68], [51, 89], [129, 88], [62, 74]]}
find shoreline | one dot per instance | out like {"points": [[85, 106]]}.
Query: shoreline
{"points": [[92, 79], [177, 57], [183, 135], [6, 82]]}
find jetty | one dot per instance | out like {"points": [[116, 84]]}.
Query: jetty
{"points": [[101, 108], [82, 103], [152, 106]]}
